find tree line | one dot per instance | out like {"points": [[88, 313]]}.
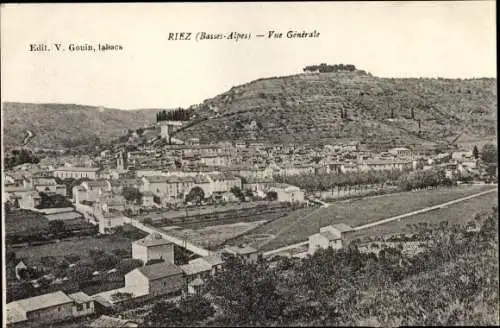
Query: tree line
{"points": [[325, 68], [179, 114], [329, 181]]}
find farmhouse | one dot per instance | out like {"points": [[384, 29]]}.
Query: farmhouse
{"points": [[156, 279], [49, 308], [333, 236], [153, 247], [247, 253]]}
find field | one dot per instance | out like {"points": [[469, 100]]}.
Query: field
{"points": [[215, 235], [77, 246], [296, 229], [460, 213], [24, 222]]}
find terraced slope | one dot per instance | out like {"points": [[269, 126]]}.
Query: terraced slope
{"points": [[306, 108]]}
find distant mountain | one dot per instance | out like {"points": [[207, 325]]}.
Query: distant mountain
{"points": [[308, 108], [68, 125]]}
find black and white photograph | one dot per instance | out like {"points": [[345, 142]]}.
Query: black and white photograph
{"points": [[250, 164]]}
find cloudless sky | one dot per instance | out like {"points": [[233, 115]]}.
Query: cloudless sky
{"points": [[416, 39]]}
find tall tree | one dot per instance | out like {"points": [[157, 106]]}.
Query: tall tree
{"points": [[475, 152]]}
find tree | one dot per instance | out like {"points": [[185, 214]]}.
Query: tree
{"points": [[164, 314], [246, 293], [195, 195], [80, 272], [10, 256], [120, 252], [272, 195], [147, 221], [156, 200], [238, 193], [132, 194], [489, 153], [126, 265], [475, 152]]}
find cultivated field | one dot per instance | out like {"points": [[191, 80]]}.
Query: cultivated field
{"points": [[77, 246], [215, 235], [293, 229]]}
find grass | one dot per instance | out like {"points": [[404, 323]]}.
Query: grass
{"points": [[80, 247], [459, 213], [24, 222], [359, 212]]}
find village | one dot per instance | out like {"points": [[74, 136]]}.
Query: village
{"points": [[192, 205]]}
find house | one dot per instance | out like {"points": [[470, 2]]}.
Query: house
{"points": [[221, 183], [256, 184], [148, 199], [105, 321], [400, 152], [48, 185], [153, 247], [46, 308], [384, 165], [169, 187], [286, 192], [334, 236], [196, 271], [215, 261], [109, 220], [90, 190], [298, 169], [83, 305], [21, 266], [244, 252], [214, 160], [163, 278], [77, 172]]}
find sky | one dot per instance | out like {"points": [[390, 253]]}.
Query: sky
{"points": [[393, 39]]}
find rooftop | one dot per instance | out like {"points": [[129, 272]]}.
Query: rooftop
{"points": [[63, 216], [78, 169], [43, 301], [151, 241], [80, 297], [160, 270], [329, 235], [196, 266]]}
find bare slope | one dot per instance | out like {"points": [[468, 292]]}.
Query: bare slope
{"points": [[65, 125], [306, 108]]}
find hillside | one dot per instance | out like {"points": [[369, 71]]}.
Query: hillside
{"points": [[67, 125], [306, 108]]}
